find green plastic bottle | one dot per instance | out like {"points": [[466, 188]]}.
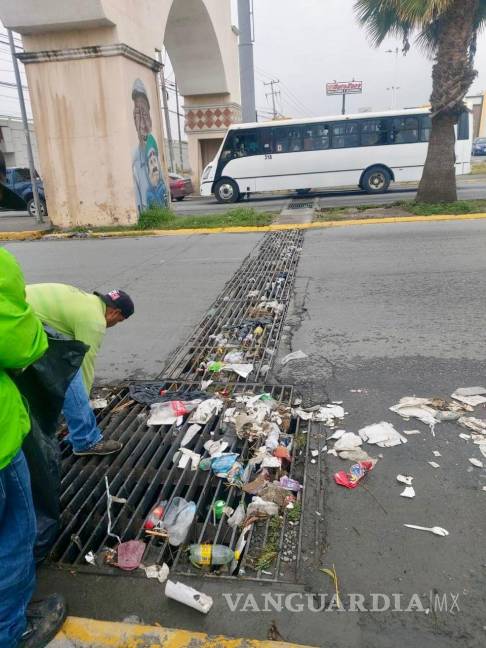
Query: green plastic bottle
{"points": [[207, 555]]}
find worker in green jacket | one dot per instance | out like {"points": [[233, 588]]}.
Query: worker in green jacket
{"points": [[84, 317], [22, 342]]}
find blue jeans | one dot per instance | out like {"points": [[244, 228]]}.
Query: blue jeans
{"points": [[80, 419], [17, 538]]}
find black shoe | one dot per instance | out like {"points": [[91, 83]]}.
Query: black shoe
{"points": [[44, 620], [101, 448]]}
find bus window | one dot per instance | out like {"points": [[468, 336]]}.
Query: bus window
{"points": [[316, 137], [240, 143], [265, 141], [374, 132], [345, 135], [463, 126], [287, 139], [425, 128], [405, 130]]}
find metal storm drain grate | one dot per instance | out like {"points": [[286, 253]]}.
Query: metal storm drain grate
{"points": [[301, 204], [245, 321], [144, 474]]}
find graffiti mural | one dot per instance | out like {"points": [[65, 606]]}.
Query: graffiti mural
{"points": [[148, 178]]}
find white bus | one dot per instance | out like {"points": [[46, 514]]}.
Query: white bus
{"points": [[368, 150]]}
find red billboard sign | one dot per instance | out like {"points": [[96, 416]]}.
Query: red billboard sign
{"points": [[344, 87]]}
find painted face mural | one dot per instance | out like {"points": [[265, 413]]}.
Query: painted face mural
{"points": [[149, 185]]}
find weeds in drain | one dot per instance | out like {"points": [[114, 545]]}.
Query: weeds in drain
{"points": [[294, 514], [271, 548], [300, 441]]}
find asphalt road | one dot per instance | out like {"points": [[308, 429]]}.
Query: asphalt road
{"points": [[382, 312], [470, 188]]}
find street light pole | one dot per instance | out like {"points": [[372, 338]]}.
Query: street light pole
{"points": [[343, 111], [33, 179], [166, 111]]}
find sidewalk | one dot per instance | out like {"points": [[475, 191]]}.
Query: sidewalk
{"points": [[17, 221]]}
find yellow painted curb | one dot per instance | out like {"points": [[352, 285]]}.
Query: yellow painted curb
{"points": [[88, 633], [21, 236]]}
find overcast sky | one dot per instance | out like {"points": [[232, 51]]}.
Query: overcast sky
{"points": [[304, 44], [309, 42]]}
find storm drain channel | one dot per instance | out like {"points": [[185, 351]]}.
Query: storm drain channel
{"points": [[144, 472]]}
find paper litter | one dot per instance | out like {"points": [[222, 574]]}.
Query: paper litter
{"points": [[191, 432], [405, 479], [476, 462], [160, 572], [206, 410], [356, 455], [98, 403], [410, 432], [189, 596], [464, 436], [473, 401], [348, 441], [419, 408], [408, 492], [295, 355], [382, 434], [436, 453], [336, 435], [433, 464], [470, 391]]}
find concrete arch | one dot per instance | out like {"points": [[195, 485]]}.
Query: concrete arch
{"points": [[93, 81], [195, 52]]}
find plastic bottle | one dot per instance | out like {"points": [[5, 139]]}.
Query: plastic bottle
{"points": [[206, 555], [155, 515]]}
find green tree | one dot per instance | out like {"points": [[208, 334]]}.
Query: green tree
{"points": [[448, 30]]}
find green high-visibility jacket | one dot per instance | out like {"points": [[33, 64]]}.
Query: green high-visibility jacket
{"points": [[22, 342]]}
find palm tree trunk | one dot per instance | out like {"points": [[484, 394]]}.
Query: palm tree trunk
{"points": [[452, 76]]}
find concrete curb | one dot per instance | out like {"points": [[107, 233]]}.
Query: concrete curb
{"points": [[21, 236], [88, 633]]}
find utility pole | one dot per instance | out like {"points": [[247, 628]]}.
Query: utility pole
{"points": [[394, 87], [247, 75], [33, 179], [181, 158], [343, 111], [273, 93], [166, 112]]}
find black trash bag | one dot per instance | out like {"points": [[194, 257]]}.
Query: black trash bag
{"points": [[43, 385], [148, 393]]}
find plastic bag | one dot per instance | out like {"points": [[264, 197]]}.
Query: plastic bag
{"points": [[222, 465], [238, 516], [169, 412], [44, 385], [178, 519]]}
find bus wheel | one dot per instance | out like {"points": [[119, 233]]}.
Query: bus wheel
{"points": [[226, 191], [376, 180]]}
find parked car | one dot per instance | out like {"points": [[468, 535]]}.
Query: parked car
{"points": [[479, 146], [180, 187], [18, 180]]}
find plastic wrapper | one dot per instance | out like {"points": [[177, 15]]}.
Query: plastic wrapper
{"points": [[355, 474]]}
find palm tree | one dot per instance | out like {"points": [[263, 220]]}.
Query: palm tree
{"points": [[448, 29]]}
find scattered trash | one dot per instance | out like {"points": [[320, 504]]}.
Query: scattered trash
{"points": [[160, 572], [191, 432], [110, 499], [419, 408], [261, 506], [448, 416], [155, 516], [177, 520], [410, 432], [474, 424], [218, 509], [206, 410], [348, 441], [209, 555], [243, 370], [433, 464], [314, 453], [188, 596], [356, 454], [405, 479], [98, 403], [464, 436], [205, 383], [472, 396], [90, 558], [130, 554], [476, 462], [382, 434], [336, 435], [183, 456], [234, 357], [408, 492], [290, 484], [333, 575], [436, 453], [170, 412], [355, 475], [295, 355], [238, 516], [437, 530]]}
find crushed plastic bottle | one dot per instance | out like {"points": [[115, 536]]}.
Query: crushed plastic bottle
{"points": [[155, 515], [207, 555]]}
